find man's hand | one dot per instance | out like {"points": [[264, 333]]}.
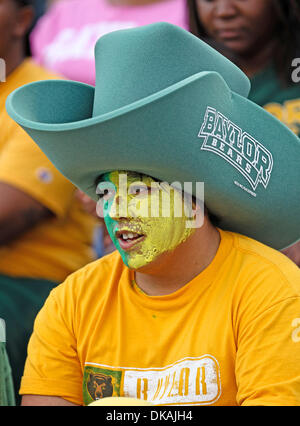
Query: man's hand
{"points": [[88, 204], [293, 253], [49, 401], [18, 213]]}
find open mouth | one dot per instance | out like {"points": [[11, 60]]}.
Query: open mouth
{"points": [[128, 239]]}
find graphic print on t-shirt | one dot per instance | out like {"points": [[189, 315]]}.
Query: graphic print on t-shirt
{"points": [[187, 381]]}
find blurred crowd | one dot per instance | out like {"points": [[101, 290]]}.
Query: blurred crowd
{"points": [[48, 228]]}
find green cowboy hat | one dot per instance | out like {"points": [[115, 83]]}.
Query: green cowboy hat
{"points": [[167, 105]]}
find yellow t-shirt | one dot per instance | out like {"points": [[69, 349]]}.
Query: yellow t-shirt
{"points": [[58, 246], [231, 336]]}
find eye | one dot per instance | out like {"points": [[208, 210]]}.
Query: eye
{"points": [[138, 189], [105, 191]]}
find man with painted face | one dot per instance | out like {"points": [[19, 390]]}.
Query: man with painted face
{"points": [[152, 227], [183, 312]]}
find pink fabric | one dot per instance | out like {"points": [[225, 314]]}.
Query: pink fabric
{"points": [[64, 38]]}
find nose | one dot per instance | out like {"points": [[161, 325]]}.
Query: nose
{"points": [[225, 9]]}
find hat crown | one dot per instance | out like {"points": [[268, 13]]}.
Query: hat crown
{"points": [[129, 61]]}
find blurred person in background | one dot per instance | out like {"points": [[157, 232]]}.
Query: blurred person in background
{"points": [[64, 38], [263, 39], [45, 234]]}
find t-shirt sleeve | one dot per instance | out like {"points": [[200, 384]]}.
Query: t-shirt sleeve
{"points": [[268, 356], [24, 166], [52, 367]]}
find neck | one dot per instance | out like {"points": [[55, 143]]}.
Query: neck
{"points": [[171, 271], [253, 62]]}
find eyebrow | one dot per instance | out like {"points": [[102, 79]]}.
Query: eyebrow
{"points": [[98, 180], [137, 175]]}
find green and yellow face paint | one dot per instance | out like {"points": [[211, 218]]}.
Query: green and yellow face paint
{"points": [[144, 218]]}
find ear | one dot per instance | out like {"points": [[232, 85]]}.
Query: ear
{"points": [[24, 20]]}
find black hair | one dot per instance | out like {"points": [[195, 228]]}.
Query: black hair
{"points": [[25, 2], [288, 34], [100, 178]]}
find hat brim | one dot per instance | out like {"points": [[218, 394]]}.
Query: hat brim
{"points": [[163, 135]]}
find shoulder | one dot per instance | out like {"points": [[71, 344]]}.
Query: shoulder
{"points": [[267, 88], [34, 72], [98, 268], [259, 281], [265, 270], [265, 255], [28, 72]]}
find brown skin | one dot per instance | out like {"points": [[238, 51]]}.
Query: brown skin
{"points": [[172, 270], [18, 211], [45, 401], [293, 253], [245, 27]]}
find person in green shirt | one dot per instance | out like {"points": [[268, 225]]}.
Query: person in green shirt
{"points": [[263, 39]]}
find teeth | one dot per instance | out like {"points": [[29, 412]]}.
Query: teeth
{"points": [[130, 235]]}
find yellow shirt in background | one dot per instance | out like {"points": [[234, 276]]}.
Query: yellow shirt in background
{"points": [[58, 246], [231, 336]]}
